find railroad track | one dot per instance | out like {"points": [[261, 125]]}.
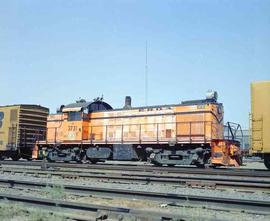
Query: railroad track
{"points": [[199, 181], [174, 199], [93, 212], [149, 168]]}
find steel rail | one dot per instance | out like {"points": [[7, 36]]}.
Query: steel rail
{"points": [[99, 212], [149, 168], [254, 205], [181, 179]]}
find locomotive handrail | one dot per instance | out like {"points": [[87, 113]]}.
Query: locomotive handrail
{"points": [[232, 129], [156, 127], [193, 132], [179, 122]]}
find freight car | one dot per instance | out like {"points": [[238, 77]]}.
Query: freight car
{"points": [[20, 126], [190, 133], [260, 120]]}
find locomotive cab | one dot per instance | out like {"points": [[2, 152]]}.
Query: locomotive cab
{"points": [[68, 128]]}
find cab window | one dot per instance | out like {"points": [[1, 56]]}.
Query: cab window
{"points": [[74, 116], [1, 118]]}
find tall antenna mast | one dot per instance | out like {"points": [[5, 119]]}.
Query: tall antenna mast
{"points": [[146, 75]]}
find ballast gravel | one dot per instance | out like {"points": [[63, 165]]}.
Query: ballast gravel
{"points": [[199, 212], [150, 187]]}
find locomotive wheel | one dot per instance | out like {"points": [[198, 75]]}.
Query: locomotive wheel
{"points": [[15, 157], [171, 165], [84, 159], [78, 160], [157, 164], [93, 161], [240, 161], [267, 161], [200, 165], [50, 160]]}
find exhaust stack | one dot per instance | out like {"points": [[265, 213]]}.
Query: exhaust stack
{"points": [[127, 102]]}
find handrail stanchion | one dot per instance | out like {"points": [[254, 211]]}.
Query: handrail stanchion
{"points": [[106, 133], [211, 130], [176, 131], [55, 135], [228, 131], [190, 131], [82, 138], [91, 134], [204, 131], [140, 133], [122, 131], [157, 133]]}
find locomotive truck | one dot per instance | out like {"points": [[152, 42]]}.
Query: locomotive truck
{"points": [[189, 133]]}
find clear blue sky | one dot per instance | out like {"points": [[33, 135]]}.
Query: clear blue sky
{"points": [[52, 52]]}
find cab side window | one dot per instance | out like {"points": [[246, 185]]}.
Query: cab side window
{"points": [[74, 116], [1, 118]]}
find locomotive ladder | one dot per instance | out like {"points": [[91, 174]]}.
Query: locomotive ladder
{"points": [[257, 133]]}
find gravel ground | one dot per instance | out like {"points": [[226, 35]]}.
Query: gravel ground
{"points": [[253, 165], [72, 172], [227, 193], [151, 187], [10, 211], [247, 164], [198, 212]]}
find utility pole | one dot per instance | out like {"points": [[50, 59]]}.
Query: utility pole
{"points": [[146, 75]]}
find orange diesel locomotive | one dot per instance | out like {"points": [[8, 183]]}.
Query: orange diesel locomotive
{"points": [[190, 133]]}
